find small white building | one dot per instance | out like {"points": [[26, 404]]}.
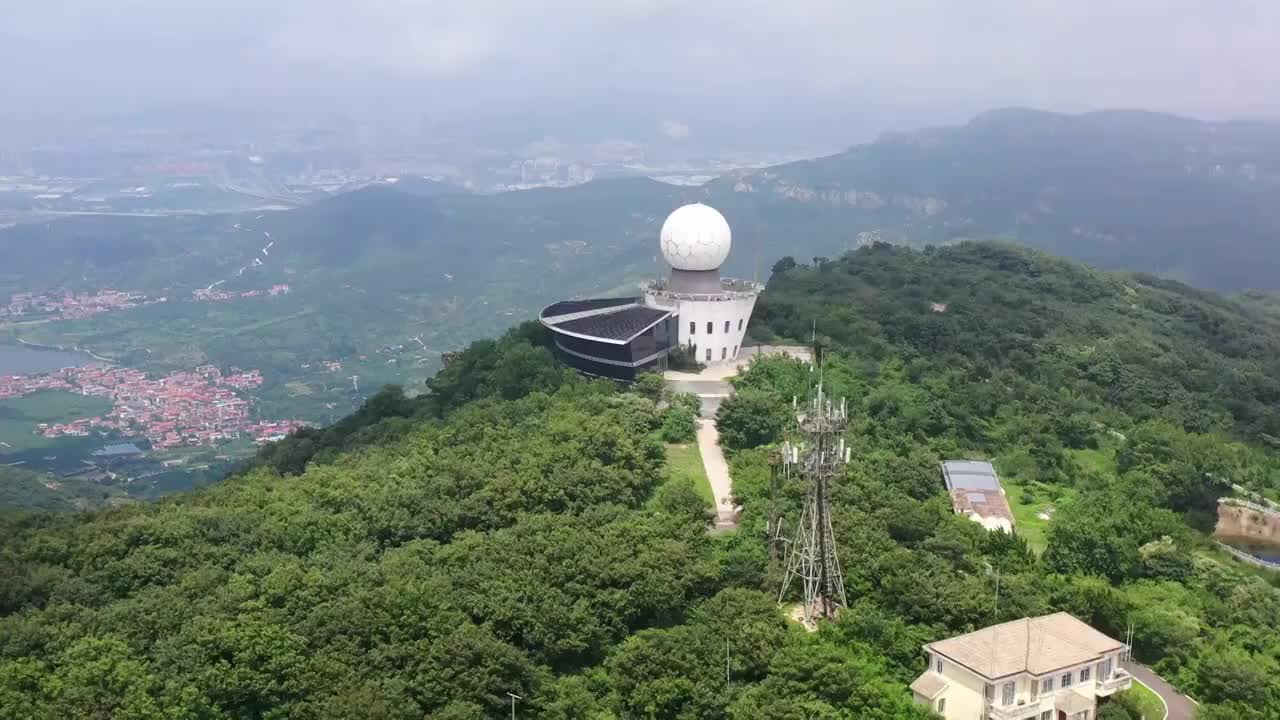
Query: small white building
{"points": [[1052, 667]]}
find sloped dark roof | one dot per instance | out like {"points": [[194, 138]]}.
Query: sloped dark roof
{"points": [[975, 489], [624, 324], [969, 475], [565, 307]]}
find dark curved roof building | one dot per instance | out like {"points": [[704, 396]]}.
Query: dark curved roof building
{"points": [[611, 337]]}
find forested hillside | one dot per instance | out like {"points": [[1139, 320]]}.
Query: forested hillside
{"points": [[515, 530], [518, 535], [21, 488], [1118, 406], [1134, 343]]}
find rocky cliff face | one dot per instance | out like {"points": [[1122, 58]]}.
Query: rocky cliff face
{"points": [[836, 196], [1247, 522]]}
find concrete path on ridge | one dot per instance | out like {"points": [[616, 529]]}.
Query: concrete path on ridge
{"points": [[717, 469], [710, 392], [1180, 706], [712, 386]]}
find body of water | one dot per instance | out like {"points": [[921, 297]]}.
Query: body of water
{"points": [[1266, 552], [22, 360]]}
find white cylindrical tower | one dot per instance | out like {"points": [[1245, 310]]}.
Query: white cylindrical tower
{"points": [[713, 312]]}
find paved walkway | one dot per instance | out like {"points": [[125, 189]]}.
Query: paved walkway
{"points": [[711, 389], [711, 386], [1180, 706], [718, 474]]}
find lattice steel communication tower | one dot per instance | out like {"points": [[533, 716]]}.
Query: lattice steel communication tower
{"points": [[812, 557]]}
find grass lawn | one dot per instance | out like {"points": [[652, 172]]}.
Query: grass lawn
{"points": [[1142, 699], [1026, 515], [1100, 459], [684, 464], [19, 416]]}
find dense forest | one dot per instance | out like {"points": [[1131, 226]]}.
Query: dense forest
{"points": [[514, 529], [1125, 404]]}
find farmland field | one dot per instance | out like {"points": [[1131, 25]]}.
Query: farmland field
{"points": [[19, 416]]}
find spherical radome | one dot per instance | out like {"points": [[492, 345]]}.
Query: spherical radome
{"points": [[695, 237]]}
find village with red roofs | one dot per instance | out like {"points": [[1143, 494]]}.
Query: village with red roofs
{"points": [[210, 295], [68, 305], [181, 409]]}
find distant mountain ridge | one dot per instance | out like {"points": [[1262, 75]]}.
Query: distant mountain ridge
{"points": [[387, 277], [1138, 190], [1144, 191]]}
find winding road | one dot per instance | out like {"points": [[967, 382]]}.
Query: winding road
{"points": [[1180, 707]]}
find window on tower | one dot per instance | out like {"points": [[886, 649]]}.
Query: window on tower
{"points": [[710, 327], [739, 323], [693, 328], [726, 326], [708, 354], [724, 352]]}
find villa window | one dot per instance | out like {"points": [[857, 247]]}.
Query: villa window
{"points": [[937, 665], [724, 352], [693, 327], [710, 327], [1084, 675], [1104, 672], [942, 705], [708, 354], [990, 692], [1046, 685], [1046, 715], [726, 326], [1066, 680], [1006, 694], [1034, 688]]}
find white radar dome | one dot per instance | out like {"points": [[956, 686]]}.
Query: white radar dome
{"points": [[695, 237]]}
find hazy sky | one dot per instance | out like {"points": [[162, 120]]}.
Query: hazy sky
{"points": [[684, 63]]}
